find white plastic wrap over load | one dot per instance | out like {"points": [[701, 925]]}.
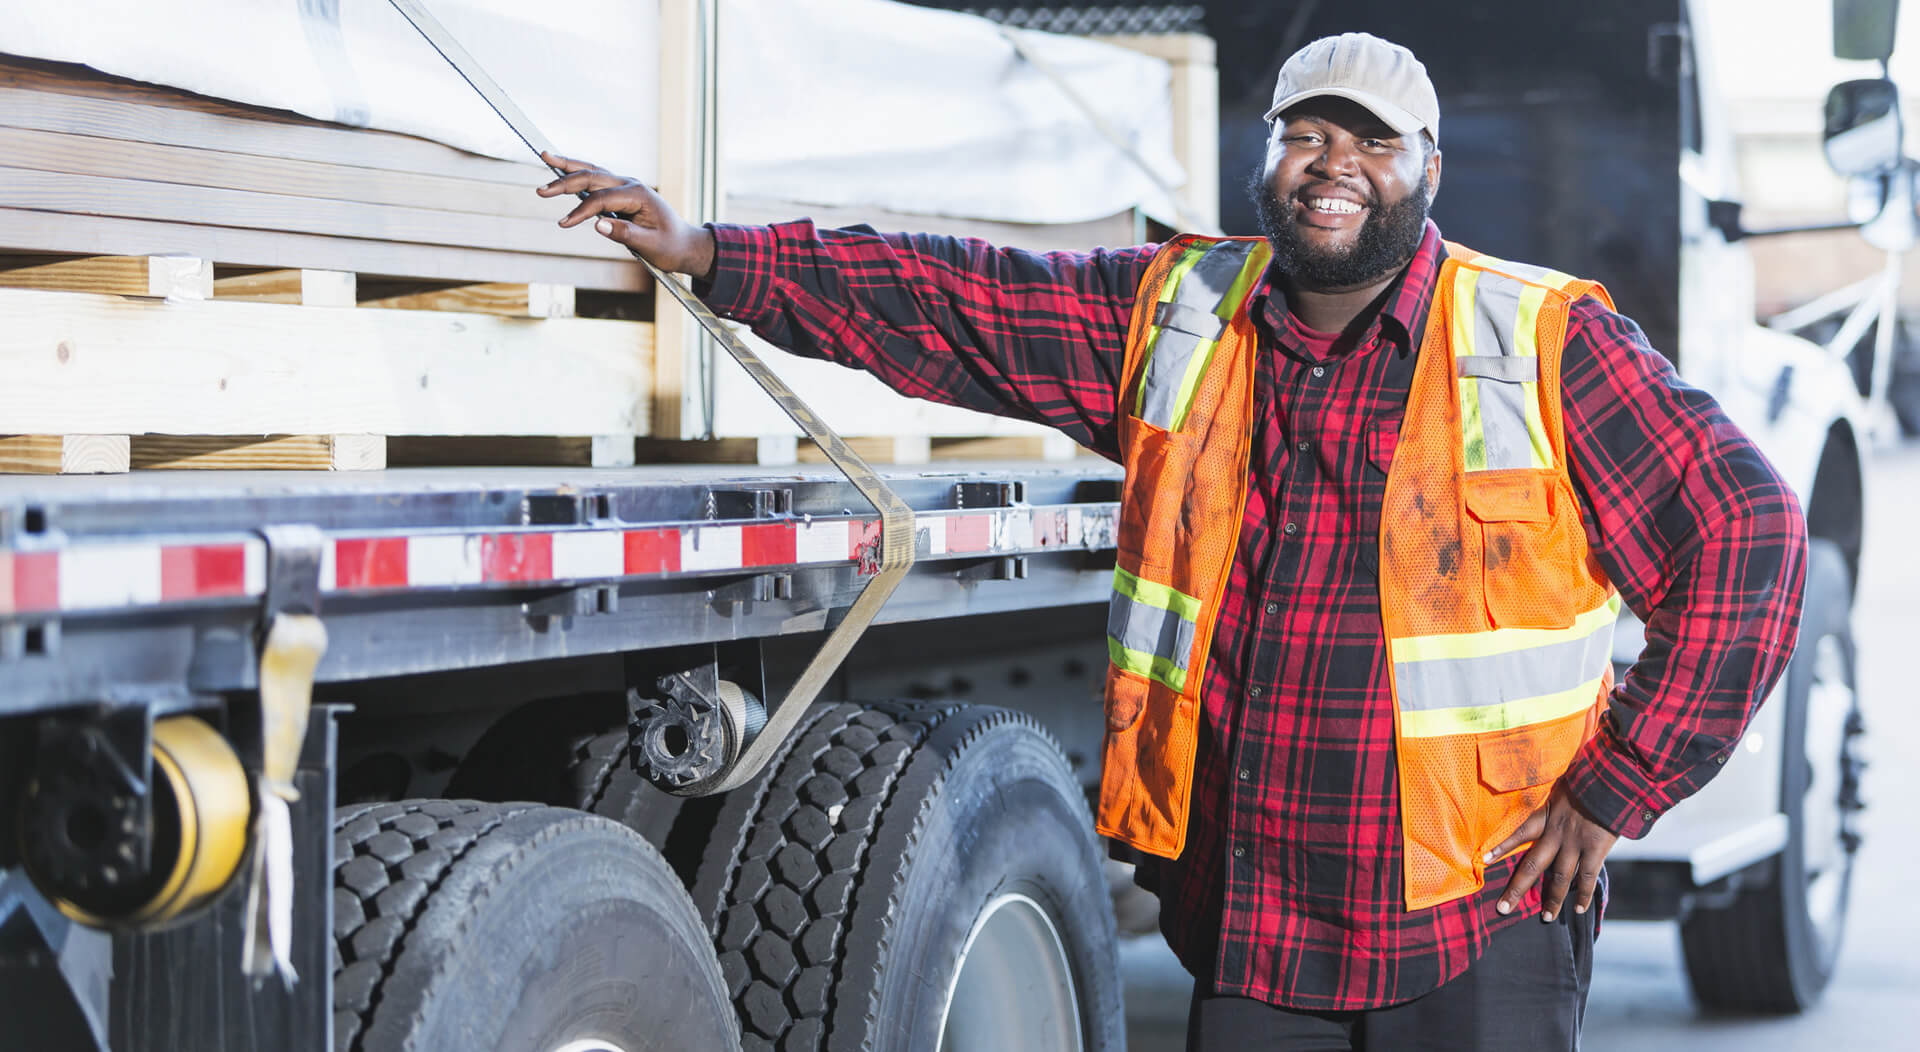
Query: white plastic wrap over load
{"points": [[865, 103], [870, 103], [584, 71]]}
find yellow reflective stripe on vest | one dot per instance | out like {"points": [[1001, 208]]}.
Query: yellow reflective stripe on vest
{"points": [[1207, 284], [1494, 338], [1470, 682], [1501, 716], [1150, 629]]}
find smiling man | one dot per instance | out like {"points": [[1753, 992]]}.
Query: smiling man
{"points": [[1385, 498]]}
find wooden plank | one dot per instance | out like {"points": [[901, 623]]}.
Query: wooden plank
{"points": [[765, 449], [313, 288], [1174, 48], [877, 449], [51, 96], [96, 235], [511, 300], [64, 454], [260, 452], [141, 199], [585, 451], [119, 158], [74, 361], [1052, 446], [182, 277]]}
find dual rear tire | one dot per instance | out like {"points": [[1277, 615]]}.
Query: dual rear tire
{"points": [[902, 877], [461, 924]]}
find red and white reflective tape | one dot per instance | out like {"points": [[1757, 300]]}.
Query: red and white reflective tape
{"points": [[115, 576]]}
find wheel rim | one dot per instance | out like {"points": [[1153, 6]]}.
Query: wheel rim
{"points": [[1827, 810], [591, 1044], [1012, 986]]}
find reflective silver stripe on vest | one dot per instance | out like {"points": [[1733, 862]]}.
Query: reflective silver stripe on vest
{"points": [[1504, 368], [1188, 319], [1173, 349], [1499, 367], [1157, 634], [1492, 679]]}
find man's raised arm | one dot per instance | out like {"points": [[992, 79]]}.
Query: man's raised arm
{"points": [[1037, 336]]}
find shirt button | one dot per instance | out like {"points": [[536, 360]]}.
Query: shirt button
{"points": [[1319, 370], [1245, 774], [1239, 852], [1304, 446], [1273, 608], [1256, 690], [1646, 816], [1291, 529]]}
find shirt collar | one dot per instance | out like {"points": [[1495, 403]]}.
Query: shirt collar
{"points": [[1401, 316]]}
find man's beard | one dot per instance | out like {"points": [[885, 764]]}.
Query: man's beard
{"points": [[1388, 238]]}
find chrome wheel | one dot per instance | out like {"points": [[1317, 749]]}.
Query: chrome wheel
{"points": [[1012, 986], [1832, 798]]}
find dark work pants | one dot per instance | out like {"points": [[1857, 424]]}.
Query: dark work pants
{"points": [[1527, 993]]}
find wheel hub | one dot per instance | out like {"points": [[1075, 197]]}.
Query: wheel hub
{"points": [[1834, 731], [1012, 986]]}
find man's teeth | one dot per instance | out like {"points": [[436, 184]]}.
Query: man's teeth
{"points": [[1332, 205]]}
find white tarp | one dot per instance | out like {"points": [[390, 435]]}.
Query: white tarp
{"points": [[831, 102], [572, 68], [873, 103]]}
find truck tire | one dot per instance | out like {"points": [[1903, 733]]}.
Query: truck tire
{"points": [[460, 924], [1774, 948], [912, 877]]}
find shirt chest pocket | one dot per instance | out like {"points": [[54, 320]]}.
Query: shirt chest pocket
{"points": [[1382, 439]]}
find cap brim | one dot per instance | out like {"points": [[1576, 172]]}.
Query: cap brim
{"points": [[1392, 116]]}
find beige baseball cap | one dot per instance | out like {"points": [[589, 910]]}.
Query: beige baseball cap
{"points": [[1378, 74]]}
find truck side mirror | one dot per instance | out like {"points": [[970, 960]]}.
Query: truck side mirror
{"points": [[1863, 126], [1863, 29]]}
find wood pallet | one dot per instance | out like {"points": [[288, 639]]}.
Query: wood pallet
{"points": [[117, 363]]}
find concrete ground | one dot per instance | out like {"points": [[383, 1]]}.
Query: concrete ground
{"points": [[1639, 1000]]}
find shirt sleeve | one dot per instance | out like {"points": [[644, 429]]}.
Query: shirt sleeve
{"points": [[1706, 544], [1036, 336]]}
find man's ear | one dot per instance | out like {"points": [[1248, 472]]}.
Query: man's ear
{"points": [[1433, 175]]}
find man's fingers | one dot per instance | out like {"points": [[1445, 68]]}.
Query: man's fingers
{"points": [[1559, 881], [1532, 866], [592, 179], [1585, 884], [618, 231], [1531, 829], [565, 164], [600, 202]]}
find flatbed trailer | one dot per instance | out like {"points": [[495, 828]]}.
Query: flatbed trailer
{"points": [[455, 603]]}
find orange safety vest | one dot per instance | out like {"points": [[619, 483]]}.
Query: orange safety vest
{"points": [[1497, 619]]}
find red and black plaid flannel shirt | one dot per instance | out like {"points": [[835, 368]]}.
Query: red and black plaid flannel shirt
{"points": [[1290, 886]]}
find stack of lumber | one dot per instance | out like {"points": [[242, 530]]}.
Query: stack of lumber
{"points": [[186, 282]]}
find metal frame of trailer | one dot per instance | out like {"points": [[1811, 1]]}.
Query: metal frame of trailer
{"points": [[125, 600]]}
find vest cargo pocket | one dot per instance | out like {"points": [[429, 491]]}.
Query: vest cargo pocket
{"points": [[1151, 498], [1126, 696], [1520, 766], [1146, 773], [1527, 554]]}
